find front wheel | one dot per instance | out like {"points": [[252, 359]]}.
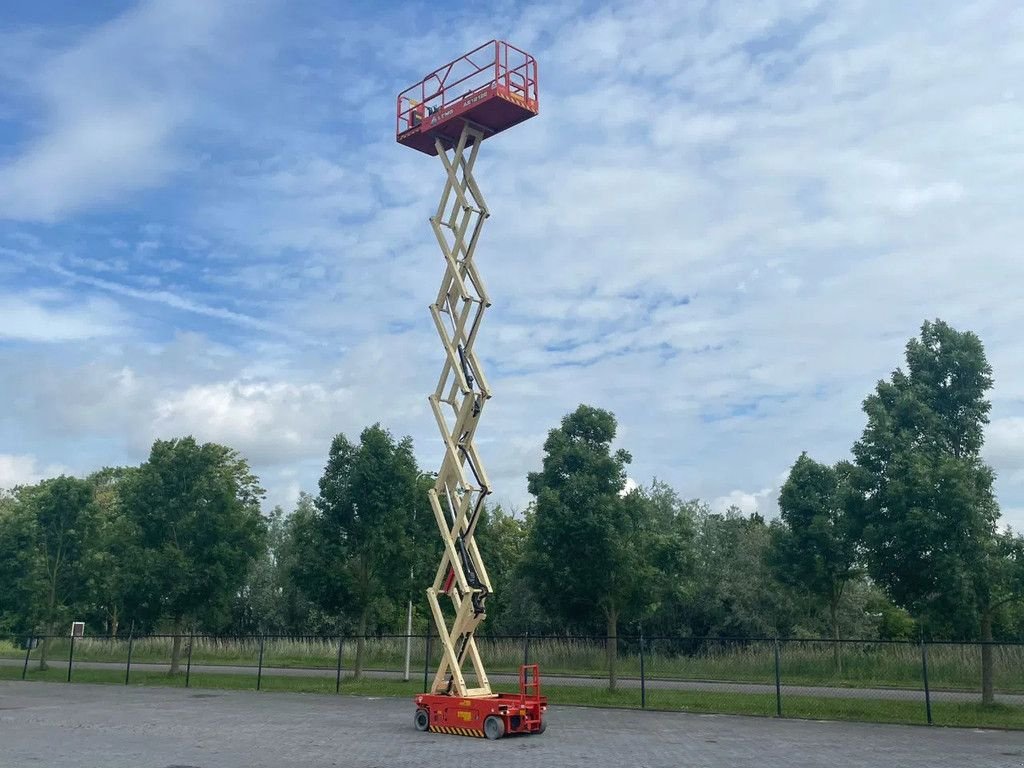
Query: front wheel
{"points": [[422, 720], [494, 727], [543, 726]]}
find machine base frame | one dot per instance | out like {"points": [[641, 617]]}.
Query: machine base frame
{"points": [[518, 713]]}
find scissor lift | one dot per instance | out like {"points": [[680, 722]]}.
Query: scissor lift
{"points": [[449, 113]]}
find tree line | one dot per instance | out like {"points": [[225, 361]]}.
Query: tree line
{"points": [[900, 541]]}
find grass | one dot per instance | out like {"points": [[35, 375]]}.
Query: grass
{"points": [[967, 714], [951, 667], [869, 664]]}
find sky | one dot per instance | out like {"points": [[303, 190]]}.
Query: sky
{"points": [[723, 226]]}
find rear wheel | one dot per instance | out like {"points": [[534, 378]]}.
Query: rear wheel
{"points": [[543, 726], [494, 727], [422, 720]]}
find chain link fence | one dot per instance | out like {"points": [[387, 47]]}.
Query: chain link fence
{"points": [[879, 681]]}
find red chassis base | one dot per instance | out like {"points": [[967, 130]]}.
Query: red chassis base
{"points": [[494, 716]]}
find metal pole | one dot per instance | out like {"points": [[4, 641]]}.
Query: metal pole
{"points": [[426, 660], [188, 663], [128, 666], [28, 650], [71, 657], [927, 691], [778, 681], [337, 679], [408, 635], [643, 675], [259, 672], [526, 648]]}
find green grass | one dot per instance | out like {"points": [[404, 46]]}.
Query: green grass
{"points": [[10, 673], [951, 667], [863, 710]]}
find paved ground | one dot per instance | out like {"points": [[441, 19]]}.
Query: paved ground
{"points": [[512, 681], [93, 725]]}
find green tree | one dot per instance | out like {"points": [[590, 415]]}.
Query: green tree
{"points": [[65, 518], [815, 547], [21, 567], [925, 507], [258, 604], [196, 508], [502, 537], [667, 545], [592, 549], [355, 551], [116, 555], [299, 613], [736, 593]]}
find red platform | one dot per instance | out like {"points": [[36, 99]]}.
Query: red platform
{"points": [[493, 87], [501, 714]]}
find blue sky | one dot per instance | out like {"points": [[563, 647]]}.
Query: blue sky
{"points": [[723, 226]]}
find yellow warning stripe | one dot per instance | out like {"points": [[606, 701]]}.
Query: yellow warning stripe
{"points": [[457, 731]]}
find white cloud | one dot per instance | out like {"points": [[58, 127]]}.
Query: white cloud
{"points": [[112, 104], [269, 422], [24, 469], [1004, 449], [765, 501], [723, 226], [24, 319]]}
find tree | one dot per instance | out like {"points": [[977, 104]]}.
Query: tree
{"points": [[21, 567], [64, 522], [258, 605], [925, 506], [736, 593], [502, 537], [115, 557], [592, 549], [196, 508], [668, 546], [815, 547], [356, 548]]}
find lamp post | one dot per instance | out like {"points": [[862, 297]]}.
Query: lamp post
{"points": [[408, 618]]}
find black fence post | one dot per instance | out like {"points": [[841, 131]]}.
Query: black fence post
{"points": [[188, 661], [526, 648], [71, 657], [337, 677], [259, 671], [426, 660], [778, 681], [924, 670], [28, 650], [128, 666], [643, 676]]}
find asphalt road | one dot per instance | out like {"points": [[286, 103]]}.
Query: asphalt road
{"points": [[87, 726], [512, 682]]}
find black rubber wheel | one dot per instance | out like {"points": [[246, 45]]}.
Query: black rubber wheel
{"points": [[543, 726], [422, 720], [494, 727]]}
